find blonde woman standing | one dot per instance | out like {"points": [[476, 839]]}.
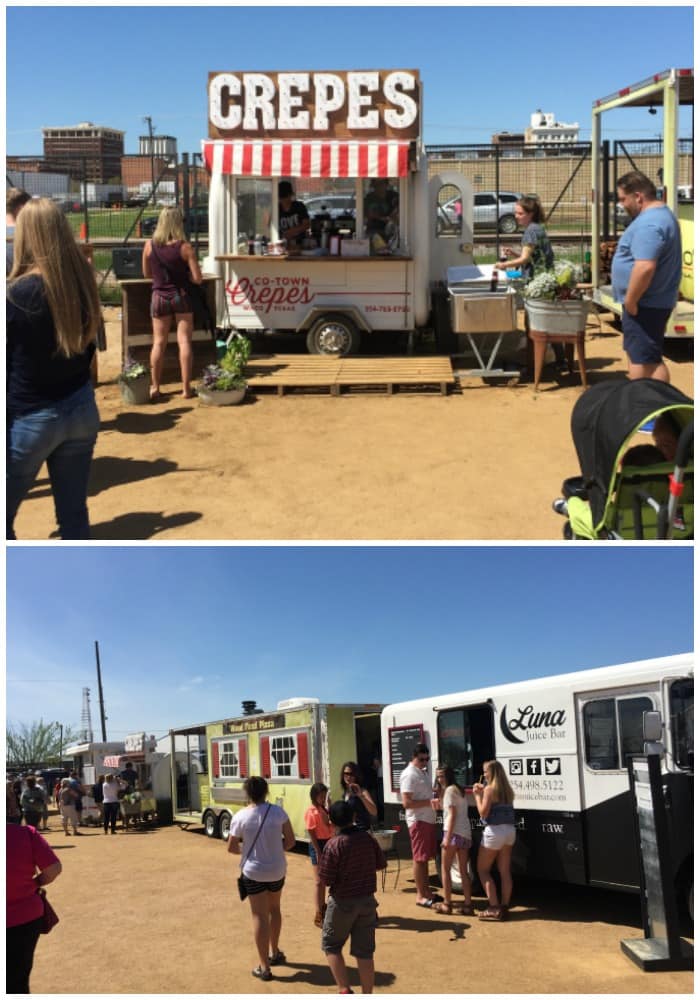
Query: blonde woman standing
{"points": [[53, 314], [494, 800], [170, 260]]}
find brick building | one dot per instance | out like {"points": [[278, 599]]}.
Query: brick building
{"points": [[100, 150]]}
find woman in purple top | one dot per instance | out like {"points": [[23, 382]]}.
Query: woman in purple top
{"points": [[172, 263]]}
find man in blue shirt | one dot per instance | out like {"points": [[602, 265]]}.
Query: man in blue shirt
{"points": [[646, 274]]}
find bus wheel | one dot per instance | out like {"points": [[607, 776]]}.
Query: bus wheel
{"points": [[335, 335], [211, 824], [224, 826]]}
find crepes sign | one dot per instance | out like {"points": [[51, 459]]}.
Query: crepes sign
{"points": [[370, 104]]}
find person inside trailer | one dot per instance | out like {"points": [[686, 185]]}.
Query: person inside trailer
{"points": [[381, 208], [293, 216]]}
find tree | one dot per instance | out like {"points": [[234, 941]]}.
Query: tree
{"points": [[37, 742]]}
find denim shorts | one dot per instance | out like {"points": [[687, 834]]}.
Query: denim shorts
{"points": [[643, 335], [350, 918], [312, 851]]}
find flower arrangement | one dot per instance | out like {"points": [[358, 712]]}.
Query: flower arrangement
{"points": [[557, 284], [133, 369], [228, 372]]}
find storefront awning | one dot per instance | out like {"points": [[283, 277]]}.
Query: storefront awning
{"points": [[116, 760], [273, 158]]}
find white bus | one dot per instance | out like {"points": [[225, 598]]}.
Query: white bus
{"points": [[564, 742]]}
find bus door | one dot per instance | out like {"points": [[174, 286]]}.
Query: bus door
{"points": [[610, 731], [465, 740]]}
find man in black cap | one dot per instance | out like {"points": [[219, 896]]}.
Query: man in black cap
{"points": [[294, 219]]}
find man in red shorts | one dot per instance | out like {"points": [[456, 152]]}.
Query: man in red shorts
{"points": [[416, 797]]}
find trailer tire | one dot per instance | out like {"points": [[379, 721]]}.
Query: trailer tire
{"points": [[225, 825], [211, 824], [335, 335]]}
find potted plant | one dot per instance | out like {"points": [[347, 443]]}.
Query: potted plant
{"points": [[224, 383], [135, 382], [553, 302]]}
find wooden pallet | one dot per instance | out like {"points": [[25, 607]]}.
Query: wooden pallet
{"points": [[312, 371]]}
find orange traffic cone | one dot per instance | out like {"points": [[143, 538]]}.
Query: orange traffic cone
{"points": [[83, 231]]}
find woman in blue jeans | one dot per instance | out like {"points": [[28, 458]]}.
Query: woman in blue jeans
{"points": [[53, 313]]}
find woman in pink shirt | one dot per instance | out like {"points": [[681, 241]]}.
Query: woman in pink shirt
{"points": [[30, 863]]}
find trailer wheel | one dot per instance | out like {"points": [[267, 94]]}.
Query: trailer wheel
{"points": [[224, 826], [507, 224], [335, 335], [211, 824]]}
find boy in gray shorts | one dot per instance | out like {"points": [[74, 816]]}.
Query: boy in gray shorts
{"points": [[348, 866]]}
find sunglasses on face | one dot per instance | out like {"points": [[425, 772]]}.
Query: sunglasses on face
{"points": [[349, 774], [424, 760]]}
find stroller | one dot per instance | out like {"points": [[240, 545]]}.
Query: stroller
{"points": [[613, 500]]}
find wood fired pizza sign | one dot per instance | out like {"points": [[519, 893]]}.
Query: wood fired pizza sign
{"points": [[370, 104]]}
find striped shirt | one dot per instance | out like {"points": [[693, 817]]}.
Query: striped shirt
{"points": [[350, 862]]}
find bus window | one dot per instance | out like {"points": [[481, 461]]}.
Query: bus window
{"points": [[682, 714], [600, 734], [630, 712]]}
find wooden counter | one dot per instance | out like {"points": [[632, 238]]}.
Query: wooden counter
{"points": [[137, 329], [295, 258]]}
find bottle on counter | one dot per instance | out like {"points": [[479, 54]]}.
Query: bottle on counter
{"points": [[325, 235], [263, 245], [587, 275], [251, 246], [257, 245], [494, 280]]}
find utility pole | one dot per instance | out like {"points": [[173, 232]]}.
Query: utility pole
{"points": [[147, 119], [100, 695]]}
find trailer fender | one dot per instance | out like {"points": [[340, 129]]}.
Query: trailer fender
{"points": [[318, 312]]}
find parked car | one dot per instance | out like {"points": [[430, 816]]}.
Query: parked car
{"points": [[336, 206], [485, 210], [197, 221]]}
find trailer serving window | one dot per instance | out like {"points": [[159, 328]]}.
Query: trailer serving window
{"points": [[466, 740], [682, 716], [613, 731]]}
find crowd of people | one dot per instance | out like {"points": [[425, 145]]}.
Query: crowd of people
{"points": [[345, 857]]}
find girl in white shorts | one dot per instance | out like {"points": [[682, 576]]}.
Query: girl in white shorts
{"points": [[494, 800]]}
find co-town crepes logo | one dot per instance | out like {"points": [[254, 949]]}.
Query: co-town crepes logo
{"points": [[526, 725], [264, 293]]}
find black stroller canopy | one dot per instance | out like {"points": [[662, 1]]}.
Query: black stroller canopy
{"points": [[607, 415]]}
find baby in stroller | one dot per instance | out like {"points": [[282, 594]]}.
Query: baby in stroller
{"points": [[628, 490]]}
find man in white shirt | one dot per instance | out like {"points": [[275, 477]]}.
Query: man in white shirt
{"points": [[417, 799]]}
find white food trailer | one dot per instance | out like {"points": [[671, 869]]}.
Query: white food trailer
{"points": [[328, 133], [565, 743]]}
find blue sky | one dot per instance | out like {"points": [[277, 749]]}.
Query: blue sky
{"points": [[187, 633], [484, 69]]}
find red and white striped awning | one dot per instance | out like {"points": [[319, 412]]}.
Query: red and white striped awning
{"points": [[116, 759], [275, 158]]}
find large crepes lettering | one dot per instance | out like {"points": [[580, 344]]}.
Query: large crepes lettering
{"points": [[369, 103]]}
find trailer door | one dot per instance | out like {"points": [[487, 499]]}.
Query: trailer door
{"points": [[610, 731], [465, 740]]}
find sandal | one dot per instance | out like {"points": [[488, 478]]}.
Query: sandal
{"points": [[278, 958], [443, 908], [467, 910], [263, 974], [494, 913], [426, 904], [156, 396]]}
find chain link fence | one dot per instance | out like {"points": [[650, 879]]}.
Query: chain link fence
{"points": [[123, 210]]}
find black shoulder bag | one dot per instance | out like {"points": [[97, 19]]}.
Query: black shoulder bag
{"points": [[242, 891]]}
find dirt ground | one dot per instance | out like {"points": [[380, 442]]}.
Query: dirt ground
{"points": [[156, 911], [483, 463]]}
